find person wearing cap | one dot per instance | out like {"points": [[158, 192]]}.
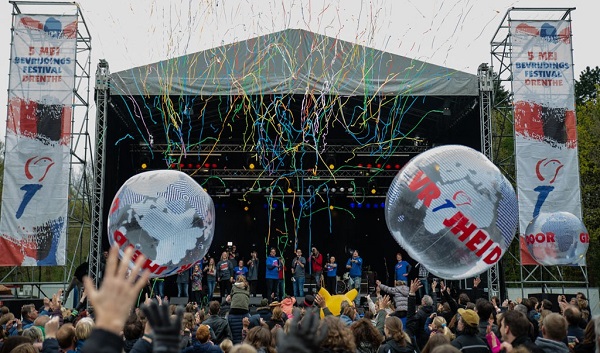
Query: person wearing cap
{"points": [[468, 340], [308, 303]]}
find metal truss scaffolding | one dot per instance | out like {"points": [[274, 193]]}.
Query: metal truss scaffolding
{"points": [[486, 91], [501, 124], [79, 215]]}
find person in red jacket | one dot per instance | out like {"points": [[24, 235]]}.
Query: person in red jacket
{"points": [[316, 262]]}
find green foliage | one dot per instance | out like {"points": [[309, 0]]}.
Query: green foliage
{"points": [[588, 133], [586, 87]]}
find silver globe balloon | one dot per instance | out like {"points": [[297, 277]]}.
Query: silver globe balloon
{"points": [[453, 211], [164, 215], [557, 238]]}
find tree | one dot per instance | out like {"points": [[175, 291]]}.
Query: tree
{"points": [[588, 133], [585, 88]]}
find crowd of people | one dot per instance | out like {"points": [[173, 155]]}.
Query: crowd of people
{"points": [[396, 319]]}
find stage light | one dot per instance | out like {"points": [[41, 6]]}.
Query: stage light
{"points": [[350, 189], [397, 166], [331, 207], [387, 166], [352, 205], [214, 166], [198, 166], [227, 191], [383, 205], [342, 189], [172, 165], [379, 165], [331, 166], [144, 166], [190, 166], [235, 190], [333, 189], [259, 190], [360, 165], [251, 166], [246, 208], [368, 205], [375, 205], [369, 166], [359, 205], [206, 165], [289, 190], [373, 191], [181, 165]]}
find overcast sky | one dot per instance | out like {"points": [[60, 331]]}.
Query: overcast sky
{"points": [[452, 33]]}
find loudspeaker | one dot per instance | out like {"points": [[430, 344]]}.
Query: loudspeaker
{"points": [[178, 301], [255, 301], [551, 297], [15, 304]]}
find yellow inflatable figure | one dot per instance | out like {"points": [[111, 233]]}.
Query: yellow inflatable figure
{"points": [[334, 302]]}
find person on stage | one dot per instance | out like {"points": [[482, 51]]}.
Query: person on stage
{"points": [[224, 275], [272, 274], [331, 280], [241, 270], [402, 269], [354, 264], [211, 277], [424, 278], [316, 262], [299, 273], [253, 272]]}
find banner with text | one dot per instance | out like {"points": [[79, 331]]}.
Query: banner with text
{"points": [[545, 129], [36, 166]]}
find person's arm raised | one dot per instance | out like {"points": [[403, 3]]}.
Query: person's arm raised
{"points": [[113, 301]]}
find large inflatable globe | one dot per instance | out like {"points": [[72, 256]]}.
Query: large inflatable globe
{"points": [[557, 238], [164, 215], [453, 211]]}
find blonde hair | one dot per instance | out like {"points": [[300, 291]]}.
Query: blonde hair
{"points": [[84, 328], [440, 325], [226, 345]]}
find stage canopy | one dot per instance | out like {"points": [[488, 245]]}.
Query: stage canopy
{"points": [[294, 61]]}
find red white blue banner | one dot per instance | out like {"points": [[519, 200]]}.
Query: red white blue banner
{"points": [[545, 124], [36, 166]]}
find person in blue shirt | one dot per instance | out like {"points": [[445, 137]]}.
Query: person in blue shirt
{"points": [[354, 264], [331, 280], [402, 269], [241, 270], [272, 274]]}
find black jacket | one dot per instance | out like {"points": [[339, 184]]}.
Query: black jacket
{"points": [[526, 342], [220, 326], [421, 317], [391, 346], [470, 344], [102, 341]]}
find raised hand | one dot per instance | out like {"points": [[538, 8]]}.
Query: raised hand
{"points": [[113, 301], [415, 285]]}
